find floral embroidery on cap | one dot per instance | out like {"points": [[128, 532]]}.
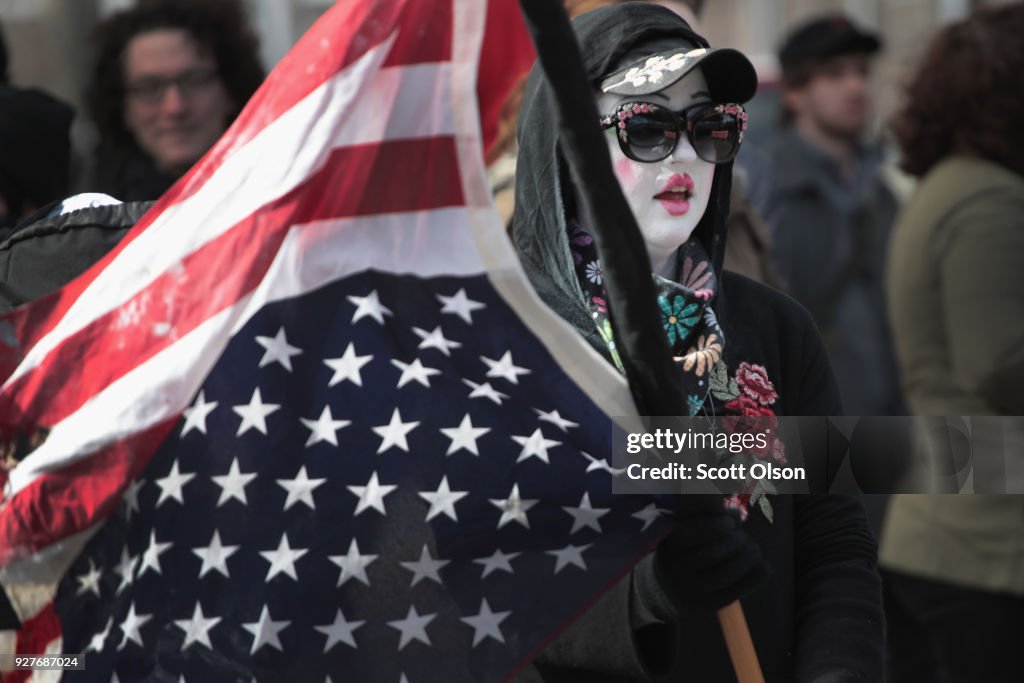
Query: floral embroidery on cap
{"points": [[654, 68]]}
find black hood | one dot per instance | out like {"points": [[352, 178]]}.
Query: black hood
{"points": [[35, 136], [544, 198]]}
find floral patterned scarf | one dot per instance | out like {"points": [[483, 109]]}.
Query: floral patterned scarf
{"points": [[697, 344], [691, 328]]}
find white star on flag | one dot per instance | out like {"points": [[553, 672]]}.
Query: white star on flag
{"points": [[425, 568], [513, 508], [171, 485], [443, 500], [414, 371], [126, 568], [460, 305], [393, 434], [569, 555], [90, 581], [265, 631], [131, 497], [497, 561], [324, 428], [151, 557], [504, 368], [347, 366], [300, 489], [535, 446], [371, 495], [353, 564], [464, 436], [585, 515], [131, 625], [283, 559], [413, 627], [233, 484], [600, 464], [195, 417], [369, 306], [197, 629], [341, 631], [486, 624], [254, 414], [278, 350], [435, 339], [99, 639], [648, 515], [555, 418], [215, 556], [484, 390]]}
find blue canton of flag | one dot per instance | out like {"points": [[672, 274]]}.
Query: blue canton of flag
{"points": [[387, 479]]}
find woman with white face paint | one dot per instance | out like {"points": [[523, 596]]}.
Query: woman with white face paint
{"points": [[671, 108], [667, 197]]}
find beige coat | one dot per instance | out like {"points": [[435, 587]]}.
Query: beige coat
{"points": [[956, 306]]}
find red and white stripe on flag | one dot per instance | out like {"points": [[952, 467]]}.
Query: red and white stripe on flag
{"points": [[358, 124], [362, 150]]}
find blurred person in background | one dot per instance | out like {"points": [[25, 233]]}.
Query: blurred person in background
{"points": [[955, 564], [35, 153], [35, 148], [170, 77], [829, 210]]}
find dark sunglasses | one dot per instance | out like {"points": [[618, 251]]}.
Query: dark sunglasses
{"points": [[649, 132]]}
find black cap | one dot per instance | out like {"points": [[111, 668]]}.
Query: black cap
{"points": [[826, 37], [656, 65]]}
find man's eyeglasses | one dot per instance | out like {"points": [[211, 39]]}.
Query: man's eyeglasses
{"points": [[649, 132], [151, 89]]}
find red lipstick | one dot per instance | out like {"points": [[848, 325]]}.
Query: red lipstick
{"points": [[675, 195]]}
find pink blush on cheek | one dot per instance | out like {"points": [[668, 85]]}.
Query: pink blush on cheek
{"points": [[625, 171]]}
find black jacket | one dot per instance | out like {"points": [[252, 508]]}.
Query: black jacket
{"points": [[126, 172], [44, 253], [819, 618]]}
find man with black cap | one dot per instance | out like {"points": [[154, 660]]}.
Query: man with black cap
{"points": [[828, 208]]}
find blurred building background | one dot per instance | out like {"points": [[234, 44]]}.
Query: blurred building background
{"points": [[49, 39]]}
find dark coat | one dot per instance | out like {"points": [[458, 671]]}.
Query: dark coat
{"points": [[830, 240], [819, 618], [127, 173], [44, 254]]}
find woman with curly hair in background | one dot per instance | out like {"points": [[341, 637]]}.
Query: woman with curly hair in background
{"points": [[955, 581]]}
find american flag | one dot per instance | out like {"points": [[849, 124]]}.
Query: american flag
{"points": [[308, 422]]}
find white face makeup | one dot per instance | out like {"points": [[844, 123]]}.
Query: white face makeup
{"points": [[667, 197]]}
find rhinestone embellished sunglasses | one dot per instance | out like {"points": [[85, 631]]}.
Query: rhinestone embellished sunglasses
{"points": [[649, 132]]}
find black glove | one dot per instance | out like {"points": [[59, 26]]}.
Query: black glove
{"points": [[708, 560]]}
